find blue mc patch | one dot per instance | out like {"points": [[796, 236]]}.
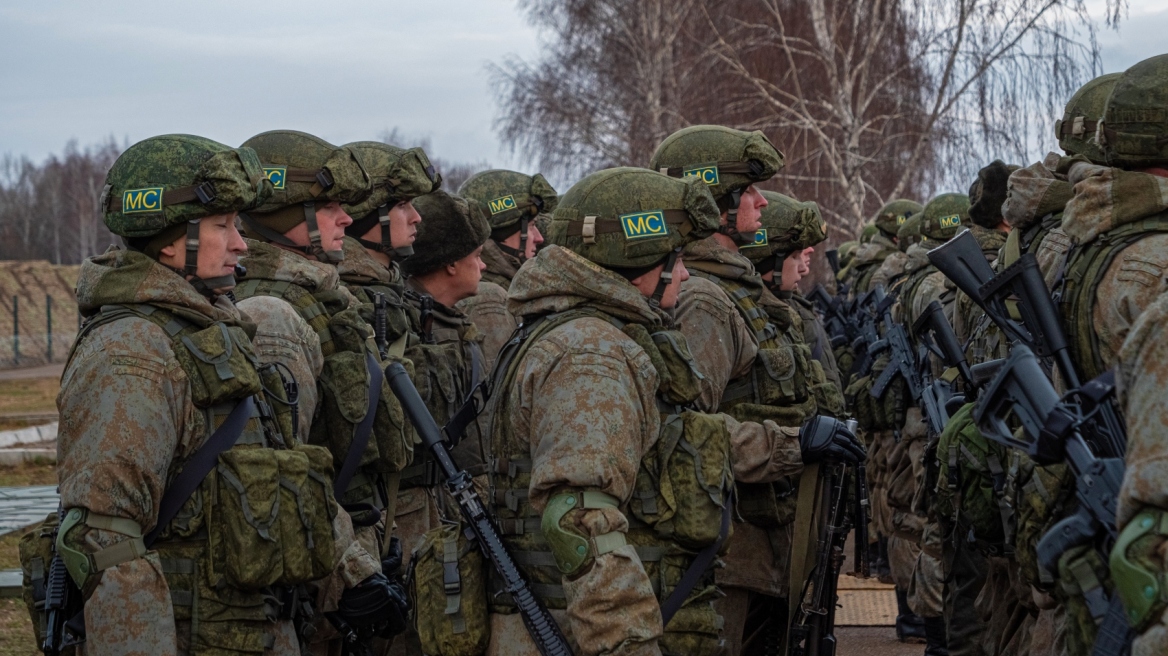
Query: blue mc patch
{"points": [[760, 239], [707, 174], [135, 201], [501, 204], [277, 174], [644, 224]]}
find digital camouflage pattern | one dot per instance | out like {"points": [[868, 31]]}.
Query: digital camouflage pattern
{"points": [[1135, 132], [945, 216], [176, 161], [504, 197], [1076, 131], [124, 391], [739, 159], [614, 196], [364, 276], [398, 174], [893, 215], [867, 260]]}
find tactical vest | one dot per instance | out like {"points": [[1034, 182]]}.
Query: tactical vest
{"points": [[345, 385], [261, 522], [681, 493], [1085, 267], [776, 388], [448, 371], [972, 485], [395, 315]]}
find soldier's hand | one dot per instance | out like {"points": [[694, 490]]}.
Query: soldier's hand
{"points": [[377, 606], [826, 438]]}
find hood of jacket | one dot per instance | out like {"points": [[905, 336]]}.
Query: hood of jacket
{"points": [[500, 265], [359, 267], [1106, 198], [267, 262], [556, 280], [120, 277], [1034, 192]]}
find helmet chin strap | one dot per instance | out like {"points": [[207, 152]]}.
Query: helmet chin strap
{"points": [[664, 281], [730, 229], [521, 252], [385, 246], [317, 249], [205, 286]]}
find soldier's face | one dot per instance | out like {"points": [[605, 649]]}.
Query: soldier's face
{"points": [[220, 247], [534, 239], [805, 261], [750, 211], [646, 283], [331, 220], [791, 272], [465, 274], [403, 224]]}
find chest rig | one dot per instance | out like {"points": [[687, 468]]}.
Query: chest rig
{"points": [[237, 549], [680, 510]]}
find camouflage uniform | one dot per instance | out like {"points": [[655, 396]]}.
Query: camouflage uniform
{"points": [[510, 201], [134, 410]]}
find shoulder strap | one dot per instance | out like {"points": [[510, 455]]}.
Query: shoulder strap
{"points": [[199, 465], [363, 430]]}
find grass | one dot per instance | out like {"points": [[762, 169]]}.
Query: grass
{"points": [[33, 473], [16, 635], [28, 396]]}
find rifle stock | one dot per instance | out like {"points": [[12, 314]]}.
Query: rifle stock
{"points": [[962, 261], [832, 260], [544, 631]]}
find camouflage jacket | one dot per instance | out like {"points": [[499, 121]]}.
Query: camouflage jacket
{"points": [[127, 417], [364, 276], [815, 335], [867, 260], [584, 399], [724, 348]]}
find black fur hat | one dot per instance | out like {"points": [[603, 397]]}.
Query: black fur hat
{"points": [[451, 229], [988, 192]]}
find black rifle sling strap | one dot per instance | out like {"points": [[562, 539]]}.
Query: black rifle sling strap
{"points": [[363, 430], [199, 465], [693, 573]]}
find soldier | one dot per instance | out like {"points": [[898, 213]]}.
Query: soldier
{"points": [[312, 326], [747, 372], [882, 245], [893, 265], [382, 234], [813, 231], [581, 399], [513, 203], [1112, 273], [162, 378]]}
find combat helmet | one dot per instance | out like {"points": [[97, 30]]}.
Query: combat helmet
{"points": [[304, 170], [1135, 123], [1076, 129], [909, 232], [945, 216], [629, 220], [846, 251], [510, 200], [725, 159], [399, 175], [160, 188], [788, 226], [451, 229], [867, 233], [890, 217]]}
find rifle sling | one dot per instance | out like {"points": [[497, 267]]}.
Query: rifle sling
{"points": [[199, 465], [693, 573], [801, 552], [362, 432]]}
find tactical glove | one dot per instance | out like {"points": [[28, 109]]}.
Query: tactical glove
{"points": [[378, 606], [825, 438]]}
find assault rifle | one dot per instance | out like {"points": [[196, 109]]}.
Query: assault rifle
{"points": [[867, 333], [1020, 290], [379, 324], [842, 500], [544, 631], [1051, 433], [836, 321], [64, 618]]}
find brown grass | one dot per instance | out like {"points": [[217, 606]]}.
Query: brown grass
{"points": [[16, 635], [21, 396], [32, 473]]}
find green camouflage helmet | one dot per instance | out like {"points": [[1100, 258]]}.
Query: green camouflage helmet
{"points": [[1075, 131], [726, 159], [788, 225], [399, 175], [945, 216], [890, 217], [632, 218], [868, 232], [845, 252], [305, 171], [510, 200], [909, 232], [1135, 123], [160, 188]]}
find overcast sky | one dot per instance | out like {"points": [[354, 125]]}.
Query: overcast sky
{"points": [[342, 69]]}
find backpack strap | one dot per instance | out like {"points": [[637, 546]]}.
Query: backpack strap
{"points": [[363, 430], [199, 465]]}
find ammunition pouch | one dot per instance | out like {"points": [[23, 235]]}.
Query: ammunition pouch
{"points": [[971, 485], [449, 594], [1083, 587], [1138, 568]]}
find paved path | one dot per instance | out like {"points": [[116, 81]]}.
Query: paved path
{"points": [[45, 371], [24, 506]]}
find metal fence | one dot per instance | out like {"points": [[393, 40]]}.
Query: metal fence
{"points": [[41, 332]]}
